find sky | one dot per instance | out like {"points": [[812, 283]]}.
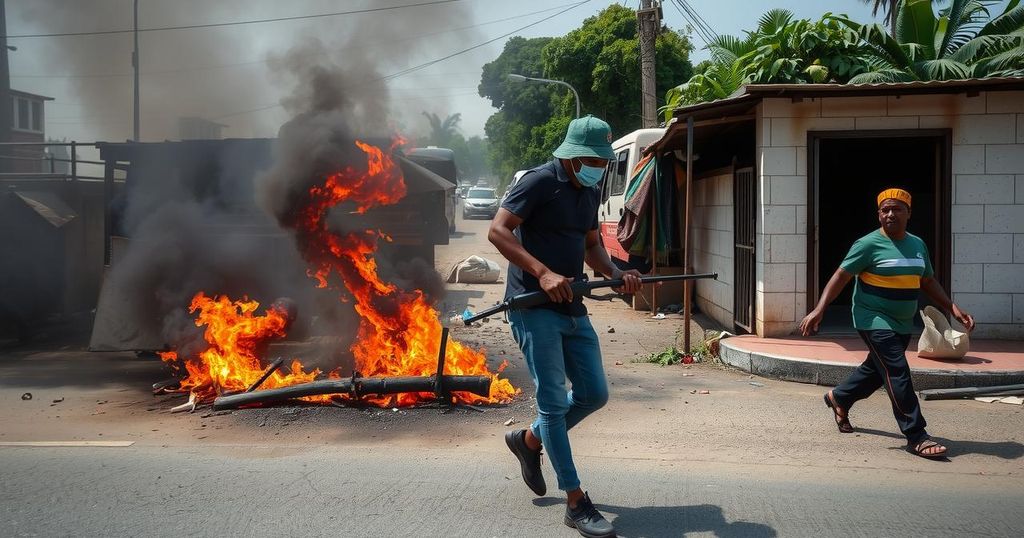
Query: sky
{"points": [[234, 74]]}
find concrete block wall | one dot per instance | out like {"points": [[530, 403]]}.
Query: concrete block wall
{"points": [[713, 242], [988, 198]]}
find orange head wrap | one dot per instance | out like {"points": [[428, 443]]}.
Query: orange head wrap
{"points": [[895, 194]]}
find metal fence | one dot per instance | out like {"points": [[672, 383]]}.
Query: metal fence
{"points": [[48, 161]]}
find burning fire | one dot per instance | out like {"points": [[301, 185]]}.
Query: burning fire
{"points": [[235, 336], [399, 332]]}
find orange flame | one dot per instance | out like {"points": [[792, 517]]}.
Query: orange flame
{"points": [[399, 332], [235, 336]]}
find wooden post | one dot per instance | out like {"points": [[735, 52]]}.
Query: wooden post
{"points": [[686, 233]]}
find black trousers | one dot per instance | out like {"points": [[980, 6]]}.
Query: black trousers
{"points": [[886, 366]]}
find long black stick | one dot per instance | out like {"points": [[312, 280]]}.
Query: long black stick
{"points": [[356, 388], [535, 298]]}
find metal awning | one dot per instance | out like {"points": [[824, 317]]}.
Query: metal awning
{"points": [[49, 206]]}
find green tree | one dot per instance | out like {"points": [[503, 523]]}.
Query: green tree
{"points": [[470, 154], [961, 41], [780, 50], [520, 106], [442, 131], [888, 9], [601, 59]]}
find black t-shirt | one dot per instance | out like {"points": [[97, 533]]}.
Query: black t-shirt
{"points": [[556, 218]]}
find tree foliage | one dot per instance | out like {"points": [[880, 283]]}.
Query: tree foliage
{"points": [[780, 50], [470, 154], [961, 41], [442, 131], [601, 59], [888, 9]]}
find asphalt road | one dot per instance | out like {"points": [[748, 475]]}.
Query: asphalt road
{"points": [[752, 457], [377, 491]]}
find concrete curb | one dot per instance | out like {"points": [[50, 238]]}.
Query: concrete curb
{"points": [[833, 373]]}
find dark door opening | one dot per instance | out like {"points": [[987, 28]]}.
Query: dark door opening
{"points": [[848, 172]]}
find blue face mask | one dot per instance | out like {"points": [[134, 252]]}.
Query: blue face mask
{"points": [[588, 176]]}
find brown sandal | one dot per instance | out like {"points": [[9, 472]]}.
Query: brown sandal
{"points": [[843, 423], [922, 447]]}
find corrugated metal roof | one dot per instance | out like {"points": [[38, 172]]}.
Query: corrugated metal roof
{"points": [[752, 93]]}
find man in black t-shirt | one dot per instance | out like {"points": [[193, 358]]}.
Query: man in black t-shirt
{"points": [[547, 229]]}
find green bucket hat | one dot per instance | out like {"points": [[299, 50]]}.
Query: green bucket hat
{"points": [[586, 137]]}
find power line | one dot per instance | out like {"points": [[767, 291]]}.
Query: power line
{"points": [[426, 64], [706, 38], [224, 66], [699, 17], [699, 24], [474, 47], [235, 23]]}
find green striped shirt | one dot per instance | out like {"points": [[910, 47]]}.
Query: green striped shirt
{"points": [[888, 283]]}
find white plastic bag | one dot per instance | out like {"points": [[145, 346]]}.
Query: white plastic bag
{"points": [[939, 340], [475, 270]]}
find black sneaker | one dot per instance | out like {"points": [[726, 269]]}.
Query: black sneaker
{"points": [[529, 461], [587, 520]]}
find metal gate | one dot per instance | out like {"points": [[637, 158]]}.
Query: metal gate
{"points": [[744, 224]]}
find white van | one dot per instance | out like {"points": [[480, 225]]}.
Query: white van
{"points": [[628, 151]]}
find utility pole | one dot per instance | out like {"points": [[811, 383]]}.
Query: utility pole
{"points": [[6, 104], [648, 22], [135, 66]]}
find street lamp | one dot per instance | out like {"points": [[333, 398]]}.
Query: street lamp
{"points": [[520, 78]]}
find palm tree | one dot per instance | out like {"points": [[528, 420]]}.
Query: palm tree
{"points": [[887, 7], [443, 131], [779, 50], [962, 41]]}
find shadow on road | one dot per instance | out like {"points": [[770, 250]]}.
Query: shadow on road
{"points": [[35, 367], [879, 433], [672, 520], [681, 520], [460, 235], [1007, 450]]}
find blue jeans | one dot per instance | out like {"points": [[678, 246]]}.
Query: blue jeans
{"points": [[557, 346]]}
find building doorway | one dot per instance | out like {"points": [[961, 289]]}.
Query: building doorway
{"points": [[847, 170]]}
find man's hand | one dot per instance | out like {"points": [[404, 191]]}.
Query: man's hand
{"points": [[810, 323], [630, 278], [963, 317], [558, 287]]}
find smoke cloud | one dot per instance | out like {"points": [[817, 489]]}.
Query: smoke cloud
{"points": [[227, 74], [215, 225]]}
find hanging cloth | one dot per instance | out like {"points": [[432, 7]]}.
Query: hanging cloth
{"points": [[632, 234]]}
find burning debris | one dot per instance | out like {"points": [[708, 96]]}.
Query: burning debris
{"points": [[400, 343]]}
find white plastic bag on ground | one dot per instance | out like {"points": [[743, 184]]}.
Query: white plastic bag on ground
{"points": [[474, 270], [939, 340]]}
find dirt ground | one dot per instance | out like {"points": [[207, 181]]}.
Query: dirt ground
{"points": [[657, 413], [78, 395]]}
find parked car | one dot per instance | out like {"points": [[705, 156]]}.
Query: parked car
{"points": [[480, 202]]}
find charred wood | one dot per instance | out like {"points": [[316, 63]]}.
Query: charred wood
{"points": [[357, 388]]}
